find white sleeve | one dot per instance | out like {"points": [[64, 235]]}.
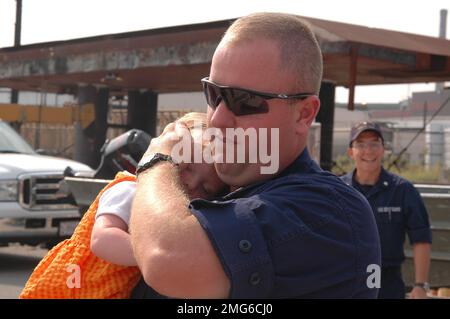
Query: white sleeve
{"points": [[117, 200]]}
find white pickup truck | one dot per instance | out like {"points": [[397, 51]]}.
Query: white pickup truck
{"points": [[35, 206]]}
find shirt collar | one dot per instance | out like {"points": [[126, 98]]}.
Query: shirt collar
{"points": [[383, 182], [302, 164]]}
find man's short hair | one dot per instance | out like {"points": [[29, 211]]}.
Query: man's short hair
{"points": [[299, 50]]}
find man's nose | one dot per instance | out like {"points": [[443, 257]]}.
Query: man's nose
{"points": [[368, 149], [222, 117]]}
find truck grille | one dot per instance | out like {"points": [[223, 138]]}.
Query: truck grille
{"points": [[44, 192]]}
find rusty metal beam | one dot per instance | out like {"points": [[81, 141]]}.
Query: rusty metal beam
{"points": [[174, 59], [387, 54], [174, 55]]}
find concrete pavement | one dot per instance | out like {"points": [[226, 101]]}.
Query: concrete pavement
{"points": [[16, 265]]}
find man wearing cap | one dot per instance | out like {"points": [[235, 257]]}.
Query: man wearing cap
{"points": [[398, 209]]}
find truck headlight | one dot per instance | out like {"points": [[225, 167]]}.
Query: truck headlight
{"points": [[8, 190]]}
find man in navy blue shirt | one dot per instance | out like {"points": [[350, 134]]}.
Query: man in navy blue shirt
{"points": [[398, 209], [296, 231]]}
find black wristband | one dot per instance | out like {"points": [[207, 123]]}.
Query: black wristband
{"points": [[148, 162]]}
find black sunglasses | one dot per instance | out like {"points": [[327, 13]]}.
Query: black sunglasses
{"points": [[242, 101]]}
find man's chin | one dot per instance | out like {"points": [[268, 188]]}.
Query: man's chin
{"points": [[231, 174], [239, 175], [370, 165], [227, 169]]}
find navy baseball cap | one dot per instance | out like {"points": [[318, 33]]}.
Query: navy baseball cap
{"points": [[357, 129]]}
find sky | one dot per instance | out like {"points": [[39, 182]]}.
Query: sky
{"points": [[50, 20]]}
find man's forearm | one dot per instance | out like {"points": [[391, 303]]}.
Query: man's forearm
{"points": [[171, 248], [421, 261], [159, 206]]}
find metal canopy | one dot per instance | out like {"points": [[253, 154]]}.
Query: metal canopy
{"points": [[174, 59]]}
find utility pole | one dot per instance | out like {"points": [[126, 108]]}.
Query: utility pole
{"points": [[17, 33], [443, 35]]}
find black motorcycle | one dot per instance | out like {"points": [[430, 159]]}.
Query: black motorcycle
{"points": [[120, 154]]}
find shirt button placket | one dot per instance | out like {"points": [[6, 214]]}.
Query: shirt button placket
{"points": [[245, 246], [254, 279]]}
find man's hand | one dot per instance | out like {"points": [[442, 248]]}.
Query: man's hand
{"points": [[172, 134], [418, 293]]}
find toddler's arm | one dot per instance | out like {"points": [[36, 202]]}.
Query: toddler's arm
{"points": [[110, 240]]}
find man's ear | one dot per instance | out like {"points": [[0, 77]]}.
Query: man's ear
{"points": [[307, 112], [350, 152]]}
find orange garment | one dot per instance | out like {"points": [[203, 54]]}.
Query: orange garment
{"points": [[55, 277]]}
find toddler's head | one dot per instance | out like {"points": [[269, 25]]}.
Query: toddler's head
{"points": [[199, 179]]}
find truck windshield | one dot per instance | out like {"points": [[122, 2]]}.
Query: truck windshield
{"points": [[11, 142]]}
